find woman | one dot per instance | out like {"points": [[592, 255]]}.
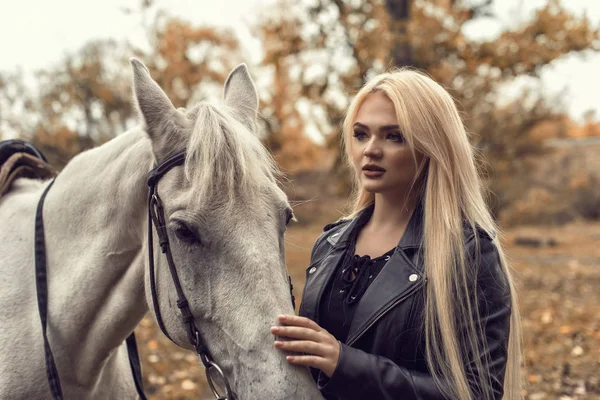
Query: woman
{"points": [[410, 297]]}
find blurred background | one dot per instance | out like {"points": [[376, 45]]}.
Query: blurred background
{"points": [[524, 75]]}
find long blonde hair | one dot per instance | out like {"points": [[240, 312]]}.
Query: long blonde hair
{"points": [[452, 194]]}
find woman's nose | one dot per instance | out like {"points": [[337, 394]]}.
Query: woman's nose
{"points": [[372, 149]]}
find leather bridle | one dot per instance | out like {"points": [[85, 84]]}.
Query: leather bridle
{"points": [[156, 217]]}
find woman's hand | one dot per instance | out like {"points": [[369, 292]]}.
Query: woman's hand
{"points": [[321, 349]]}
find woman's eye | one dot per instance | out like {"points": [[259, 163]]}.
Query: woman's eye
{"points": [[185, 233], [395, 137], [359, 135]]}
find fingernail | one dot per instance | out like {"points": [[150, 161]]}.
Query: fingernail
{"points": [[290, 358], [274, 329], [282, 317], [278, 344]]}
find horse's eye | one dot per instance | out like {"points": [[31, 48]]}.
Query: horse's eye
{"points": [[289, 216], [185, 233]]}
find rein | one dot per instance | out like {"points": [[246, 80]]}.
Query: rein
{"points": [[41, 283]]}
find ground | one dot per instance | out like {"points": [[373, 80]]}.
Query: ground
{"points": [[559, 302]]}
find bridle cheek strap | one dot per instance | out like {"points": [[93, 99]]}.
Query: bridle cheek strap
{"points": [[156, 217], [159, 319]]}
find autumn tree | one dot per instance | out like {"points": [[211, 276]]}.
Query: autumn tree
{"points": [[15, 105], [189, 62], [329, 47], [85, 99]]}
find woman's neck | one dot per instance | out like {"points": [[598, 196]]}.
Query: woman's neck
{"points": [[387, 224], [392, 211]]}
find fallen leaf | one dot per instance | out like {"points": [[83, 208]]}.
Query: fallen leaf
{"points": [[577, 351], [547, 317], [565, 329], [188, 385]]}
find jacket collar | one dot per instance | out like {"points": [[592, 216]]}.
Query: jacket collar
{"points": [[412, 237]]}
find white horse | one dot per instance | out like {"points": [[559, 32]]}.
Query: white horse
{"points": [[225, 218]]}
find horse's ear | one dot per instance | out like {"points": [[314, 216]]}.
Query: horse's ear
{"points": [[155, 107], [240, 94]]}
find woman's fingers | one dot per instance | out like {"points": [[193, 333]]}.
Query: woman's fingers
{"points": [[308, 361], [302, 346], [299, 321], [294, 332], [295, 327], [324, 364]]}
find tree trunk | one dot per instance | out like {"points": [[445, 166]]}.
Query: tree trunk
{"points": [[399, 11]]}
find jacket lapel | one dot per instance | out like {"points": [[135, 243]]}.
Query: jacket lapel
{"points": [[322, 267], [399, 278], [317, 276]]}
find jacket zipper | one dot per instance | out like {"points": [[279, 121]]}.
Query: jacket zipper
{"points": [[382, 313]]}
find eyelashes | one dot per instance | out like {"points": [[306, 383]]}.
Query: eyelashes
{"points": [[391, 136], [359, 135], [395, 137]]}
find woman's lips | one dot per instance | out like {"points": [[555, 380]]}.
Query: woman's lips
{"points": [[372, 174], [372, 171]]}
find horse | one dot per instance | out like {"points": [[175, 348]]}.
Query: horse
{"points": [[224, 220]]}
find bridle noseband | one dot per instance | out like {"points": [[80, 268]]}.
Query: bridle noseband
{"points": [[156, 217]]}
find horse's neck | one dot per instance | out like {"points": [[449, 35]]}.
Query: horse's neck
{"points": [[94, 217]]}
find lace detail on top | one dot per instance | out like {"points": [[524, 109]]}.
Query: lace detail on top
{"points": [[358, 274]]}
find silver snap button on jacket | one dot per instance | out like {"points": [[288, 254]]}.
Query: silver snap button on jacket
{"points": [[312, 270], [413, 277]]}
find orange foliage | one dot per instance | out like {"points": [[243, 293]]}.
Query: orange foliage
{"points": [[320, 52], [588, 129], [60, 145], [316, 54], [86, 98], [186, 57]]}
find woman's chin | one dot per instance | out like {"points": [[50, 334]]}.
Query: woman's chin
{"points": [[371, 188]]}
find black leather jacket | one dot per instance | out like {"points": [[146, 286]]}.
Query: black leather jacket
{"points": [[384, 355]]}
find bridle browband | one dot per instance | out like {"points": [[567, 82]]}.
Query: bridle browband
{"points": [[156, 217]]}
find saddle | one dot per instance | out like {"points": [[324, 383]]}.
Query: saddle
{"points": [[20, 159]]}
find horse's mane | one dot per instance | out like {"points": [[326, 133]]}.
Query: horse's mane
{"points": [[223, 153]]}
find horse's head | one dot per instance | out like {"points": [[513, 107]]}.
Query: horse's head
{"points": [[225, 219]]}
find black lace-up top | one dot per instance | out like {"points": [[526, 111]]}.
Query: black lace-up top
{"points": [[347, 285]]}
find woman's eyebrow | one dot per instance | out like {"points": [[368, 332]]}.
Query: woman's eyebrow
{"points": [[382, 128], [359, 125]]}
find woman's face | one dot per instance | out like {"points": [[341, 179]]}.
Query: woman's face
{"points": [[381, 158]]}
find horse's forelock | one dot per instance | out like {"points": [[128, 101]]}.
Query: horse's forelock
{"points": [[225, 158]]}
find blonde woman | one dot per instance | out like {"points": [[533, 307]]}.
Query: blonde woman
{"points": [[410, 296]]}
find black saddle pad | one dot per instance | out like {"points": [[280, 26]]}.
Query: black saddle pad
{"points": [[19, 159], [10, 147]]}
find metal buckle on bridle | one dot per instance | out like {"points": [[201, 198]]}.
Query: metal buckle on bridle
{"points": [[209, 378], [210, 365]]}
